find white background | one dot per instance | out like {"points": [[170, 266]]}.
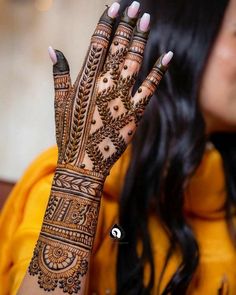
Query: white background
{"points": [[27, 28]]}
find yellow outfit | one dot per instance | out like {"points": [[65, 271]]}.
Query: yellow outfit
{"points": [[22, 216]]}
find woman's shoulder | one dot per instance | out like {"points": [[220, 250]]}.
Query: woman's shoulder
{"points": [[206, 193]]}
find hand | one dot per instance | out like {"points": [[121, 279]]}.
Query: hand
{"points": [[95, 120], [96, 117]]}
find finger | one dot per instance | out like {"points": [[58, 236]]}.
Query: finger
{"points": [[62, 86], [134, 58], [119, 102], [98, 47], [119, 47], [84, 101], [102, 33], [145, 92], [61, 73]]}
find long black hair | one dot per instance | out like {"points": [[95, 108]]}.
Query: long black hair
{"points": [[170, 142]]}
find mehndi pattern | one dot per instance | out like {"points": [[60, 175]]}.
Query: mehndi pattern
{"points": [[96, 118]]}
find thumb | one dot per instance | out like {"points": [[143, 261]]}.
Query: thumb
{"points": [[60, 63], [62, 86], [61, 71]]}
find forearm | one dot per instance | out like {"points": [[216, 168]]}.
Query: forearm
{"points": [[61, 256]]}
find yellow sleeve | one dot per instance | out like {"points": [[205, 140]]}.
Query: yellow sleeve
{"points": [[21, 219], [26, 233]]}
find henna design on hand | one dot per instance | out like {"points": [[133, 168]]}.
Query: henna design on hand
{"points": [[96, 118]]}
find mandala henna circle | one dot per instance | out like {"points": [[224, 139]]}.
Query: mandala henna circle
{"points": [[57, 265], [57, 258]]}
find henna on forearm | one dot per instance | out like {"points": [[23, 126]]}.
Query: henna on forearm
{"points": [[61, 255]]}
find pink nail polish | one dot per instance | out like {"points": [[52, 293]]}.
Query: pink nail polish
{"points": [[144, 22], [133, 9], [113, 10], [167, 58], [52, 55]]}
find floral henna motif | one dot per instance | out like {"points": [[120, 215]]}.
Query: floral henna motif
{"points": [[118, 51], [58, 265]]}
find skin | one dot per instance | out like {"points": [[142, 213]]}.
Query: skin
{"points": [[217, 95], [86, 154]]}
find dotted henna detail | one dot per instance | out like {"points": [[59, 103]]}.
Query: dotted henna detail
{"points": [[153, 79], [62, 86], [112, 63], [136, 51], [102, 34]]}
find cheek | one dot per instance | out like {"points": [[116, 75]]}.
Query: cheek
{"points": [[218, 88]]}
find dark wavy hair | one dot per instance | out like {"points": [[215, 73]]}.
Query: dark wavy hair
{"points": [[170, 143]]}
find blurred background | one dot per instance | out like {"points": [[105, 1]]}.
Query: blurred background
{"points": [[27, 28]]}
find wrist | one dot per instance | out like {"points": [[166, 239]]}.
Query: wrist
{"points": [[78, 181], [68, 230]]}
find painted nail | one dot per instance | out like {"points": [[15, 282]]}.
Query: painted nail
{"points": [[113, 10], [167, 58], [52, 55], [144, 22], [133, 9]]}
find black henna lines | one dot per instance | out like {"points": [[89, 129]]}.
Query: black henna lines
{"points": [[61, 255], [62, 84], [112, 64], [58, 265], [68, 181], [119, 49], [96, 118], [82, 102]]}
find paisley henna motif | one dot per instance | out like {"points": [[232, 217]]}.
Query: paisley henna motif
{"points": [[96, 118]]}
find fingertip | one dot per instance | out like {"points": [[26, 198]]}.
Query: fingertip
{"points": [[52, 55], [145, 22], [113, 10], [167, 58], [62, 64], [133, 9]]}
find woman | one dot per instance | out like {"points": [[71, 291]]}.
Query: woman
{"points": [[178, 198]]}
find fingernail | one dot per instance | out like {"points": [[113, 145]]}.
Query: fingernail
{"points": [[144, 22], [133, 9], [52, 55], [167, 58], [113, 10]]}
